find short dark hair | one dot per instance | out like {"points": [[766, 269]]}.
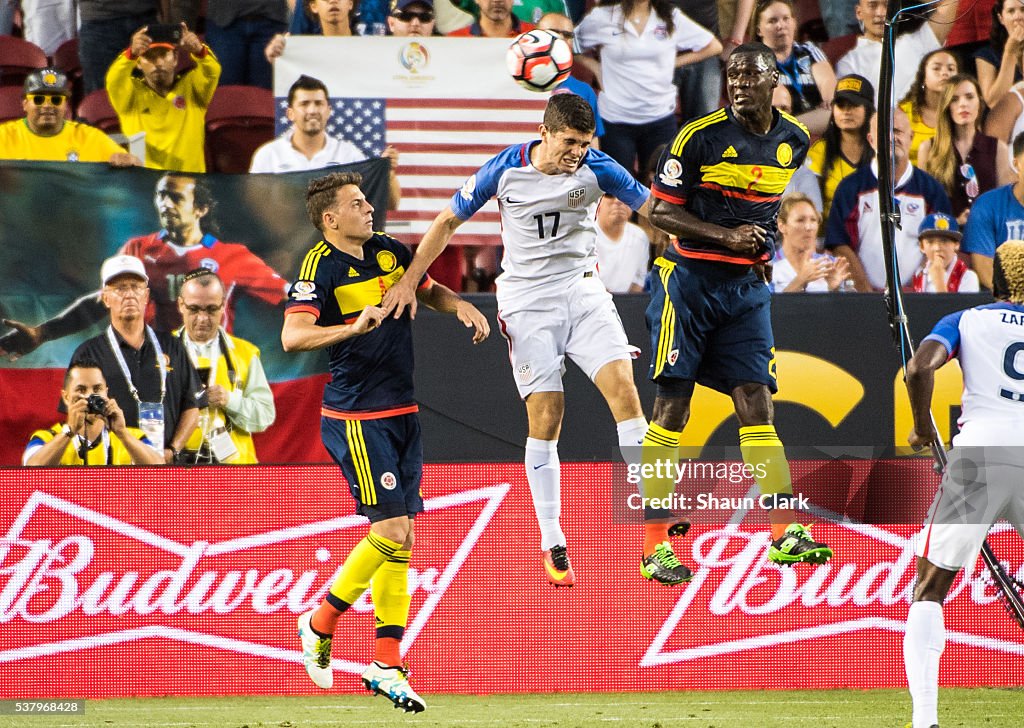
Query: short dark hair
{"points": [[321, 192], [307, 83], [81, 364], [202, 196], [569, 111], [1018, 145], [755, 48], [204, 278]]}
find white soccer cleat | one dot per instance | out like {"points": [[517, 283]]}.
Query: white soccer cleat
{"points": [[316, 653], [393, 684]]}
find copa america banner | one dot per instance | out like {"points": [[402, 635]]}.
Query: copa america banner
{"points": [[139, 581], [446, 104]]}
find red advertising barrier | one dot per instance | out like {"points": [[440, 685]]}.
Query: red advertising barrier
{"points": [[137, 581]]}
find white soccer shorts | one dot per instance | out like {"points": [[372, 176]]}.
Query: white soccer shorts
{"points": [[980, 486], [574, 318]]}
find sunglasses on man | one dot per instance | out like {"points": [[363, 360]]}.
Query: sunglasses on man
{"points": [[54, 99], [407, 16]]}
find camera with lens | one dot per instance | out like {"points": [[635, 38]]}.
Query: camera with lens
{"points": [[96, 405]]}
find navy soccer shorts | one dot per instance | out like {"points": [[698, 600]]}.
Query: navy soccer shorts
{"points": [[382, 460], [710, 323]]}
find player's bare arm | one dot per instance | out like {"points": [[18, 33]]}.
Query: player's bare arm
{"points": [[928, 358], [444, 300], [676, 220], [301, 332], [403, 293]]}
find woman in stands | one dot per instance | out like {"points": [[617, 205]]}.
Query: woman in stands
{"points": [[966, 161], [640, 44], [844, 147], [802, 66], [921, 104], [999, 63], [798, 266]]}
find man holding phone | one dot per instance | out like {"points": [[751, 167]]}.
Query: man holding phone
{"points": [[169, 107]]}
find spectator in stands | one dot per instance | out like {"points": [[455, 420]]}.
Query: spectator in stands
{"points": [[921, 104], [47, 23], [964, 160], [803, 180], [865, 58], [238, 31], [854, 228], [640, 44], [622, 248], [149, 373], [941, 269], [844, 147], [803, 68], [996, 216], [700, 83], [238, 397], [528, 11], [333, 18], [999, 63], [496, 20], [364, 17], [45, 135], [1006, 120], [107, 26], [169, 108], [95, 432], [562, 26], [411, 18], [798, 267], [307, 145]]}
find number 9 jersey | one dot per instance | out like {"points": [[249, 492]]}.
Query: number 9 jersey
{"points": [[547, 221]]}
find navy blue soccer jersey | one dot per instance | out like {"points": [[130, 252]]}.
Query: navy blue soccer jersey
{"points": [[726, 175], [371, 374]]}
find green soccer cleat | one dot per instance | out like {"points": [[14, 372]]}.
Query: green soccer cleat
{"points": [[663, 567], [796, 546]]}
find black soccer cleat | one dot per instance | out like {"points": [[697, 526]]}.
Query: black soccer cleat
{"points": [[663, 567], [796, 546]]}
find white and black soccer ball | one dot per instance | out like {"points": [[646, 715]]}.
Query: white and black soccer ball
{"points": [[539, 60]]}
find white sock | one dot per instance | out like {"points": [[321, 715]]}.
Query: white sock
{"points": [[631, 436], [922, 648], [544, 472]]}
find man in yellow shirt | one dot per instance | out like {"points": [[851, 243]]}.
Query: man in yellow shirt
{"points": [[44, 135], [95, 433], [169, 107]]}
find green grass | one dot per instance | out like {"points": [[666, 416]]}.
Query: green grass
{"points": [[977, 708]]}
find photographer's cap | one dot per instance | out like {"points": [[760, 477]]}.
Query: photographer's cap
{"points": [[121, 265], [939, 224]]}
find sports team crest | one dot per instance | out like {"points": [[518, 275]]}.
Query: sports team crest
{"points": [[576, 198]]}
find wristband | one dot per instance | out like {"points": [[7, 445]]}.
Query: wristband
{"points": [[68, 432]]}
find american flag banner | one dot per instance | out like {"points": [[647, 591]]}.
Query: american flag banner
{"points": [[446, 104]]}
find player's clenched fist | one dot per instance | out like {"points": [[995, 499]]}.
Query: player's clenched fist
{"points": [[745, 238], [368, 320]]}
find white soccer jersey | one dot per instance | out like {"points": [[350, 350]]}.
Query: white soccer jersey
{"points": [[989, 342], [546, 219]]}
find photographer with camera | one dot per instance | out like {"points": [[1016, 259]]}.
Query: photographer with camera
{"points": [[238, 397], [95, 432]]}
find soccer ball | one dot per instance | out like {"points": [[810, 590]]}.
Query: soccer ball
{"points": [[539, 60]]}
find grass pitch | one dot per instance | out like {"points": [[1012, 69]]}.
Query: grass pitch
{"points": [[977, 708]]}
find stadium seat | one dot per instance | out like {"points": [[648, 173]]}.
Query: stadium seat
{"points": [[66, 59], [10, 103], [95, 109], [239, 120], [18, 58]]}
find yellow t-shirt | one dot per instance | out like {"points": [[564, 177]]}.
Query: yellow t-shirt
{"points": [[74, 143], [175, 124], [919, 130], [108, 451], [840, 169]]}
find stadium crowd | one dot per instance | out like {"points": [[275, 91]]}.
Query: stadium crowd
{"points": [[645, 66]]}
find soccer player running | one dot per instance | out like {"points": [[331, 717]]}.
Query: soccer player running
{"points": [[369, 423], [551, 303], [717, 189], [982, 482]]}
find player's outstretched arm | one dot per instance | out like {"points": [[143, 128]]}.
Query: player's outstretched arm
{"points": [[929, 357], [403, 293], [443, 299], [301, 332], [676, 220], [23, 339]]}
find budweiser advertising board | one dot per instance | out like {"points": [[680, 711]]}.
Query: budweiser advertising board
{"points": [[158, 581]]}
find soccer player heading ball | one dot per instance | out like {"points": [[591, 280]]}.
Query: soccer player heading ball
{"points": [[718, 189]]}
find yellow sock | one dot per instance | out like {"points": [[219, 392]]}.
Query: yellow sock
{"points": [[360, 566], [763, 451], [390, 589], [659, 454]]}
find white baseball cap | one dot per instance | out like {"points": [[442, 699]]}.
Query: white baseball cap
{"points": [[121, 265]]}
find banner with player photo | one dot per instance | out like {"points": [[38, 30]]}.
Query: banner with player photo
{"points": [[137, 582]]}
